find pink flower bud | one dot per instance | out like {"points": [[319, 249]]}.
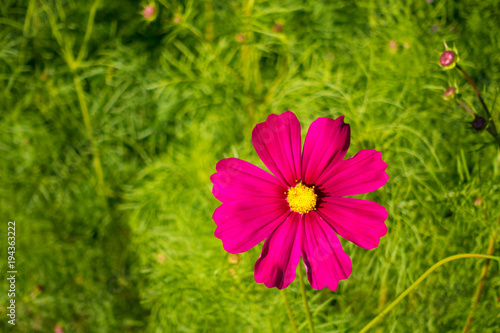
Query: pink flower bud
{"points": [[241, 38], [148, 12], [393, 45], [447, 58], [278, 27], [449, 92], [58, 329]]}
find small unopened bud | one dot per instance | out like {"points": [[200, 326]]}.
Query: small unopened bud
{"points": [[478, 123], [447, 58], [449, 93], [393, 45], [148, 12], [233, 258], [177, 19], [241, 38], [58, 329], [160, 257], [478, 202], [277, 27]]}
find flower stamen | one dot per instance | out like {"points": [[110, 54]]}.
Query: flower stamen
{"points": [[301, 198]]}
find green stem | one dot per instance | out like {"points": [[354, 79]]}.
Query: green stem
{"points": [[89, 130], [289, 311], [482, 282], [73, 64], [492, 126], [209, 21], [304, 298], [88, 33], [420, 279]]}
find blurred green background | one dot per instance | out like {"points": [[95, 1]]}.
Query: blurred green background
{"points": [[111, 125]]}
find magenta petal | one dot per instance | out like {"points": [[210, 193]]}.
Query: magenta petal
{"points": [[278, 144], [243, 224], [326, 144], [325, 260], [358, 221], [236, 180], [362, 173], [280, 255]]}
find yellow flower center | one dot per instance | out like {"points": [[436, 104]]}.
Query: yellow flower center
{"points": [[301, 198]]}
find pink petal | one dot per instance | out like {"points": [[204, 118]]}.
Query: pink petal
{"points": [[243, 224], [362, 173], [359, 221], [326, 144], [278, 144], [325, 261], [280, 255], [236, 180]]}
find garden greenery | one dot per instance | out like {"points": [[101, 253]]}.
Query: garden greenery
{"points": [[112, 123]]}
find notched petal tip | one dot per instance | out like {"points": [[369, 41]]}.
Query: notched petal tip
{"points": [[280, 255], [325, 260], [362, 173], [326, 144], [279, 281], [277, 141], [359, 221]]}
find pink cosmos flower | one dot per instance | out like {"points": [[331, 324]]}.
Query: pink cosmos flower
{"points": [[302, 209]]}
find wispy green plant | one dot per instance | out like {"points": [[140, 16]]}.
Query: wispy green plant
{"points": [[131, 248]]}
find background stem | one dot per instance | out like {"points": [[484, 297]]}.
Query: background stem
{"points": [[462, 104], [289, 310], [492, 126], [304, 298], [420, 279], [480, 286]]}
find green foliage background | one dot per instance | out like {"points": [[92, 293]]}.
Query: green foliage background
{"points": [[90, 86]]}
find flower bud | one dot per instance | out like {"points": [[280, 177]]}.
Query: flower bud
{"points": [[447, 59], [150, 12], [277, 27], [160, 257], [449, 93], [233, 258], [241, 38], [478, 123], [393, 45], [232, 271]]}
